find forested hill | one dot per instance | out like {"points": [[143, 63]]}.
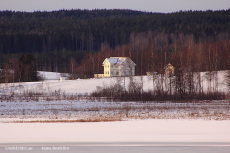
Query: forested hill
{"points": [[86, 30]]}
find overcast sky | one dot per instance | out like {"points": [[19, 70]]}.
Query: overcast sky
{"points": [[164, 6]]}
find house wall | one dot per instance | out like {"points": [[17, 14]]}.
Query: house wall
{"points": [[127, 70], [107, 69], [112, 70]]}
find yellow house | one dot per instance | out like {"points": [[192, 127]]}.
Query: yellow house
{"points": [[118, 66], [169, 69]]}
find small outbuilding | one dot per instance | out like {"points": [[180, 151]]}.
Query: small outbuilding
{"points": [[169, 69]]}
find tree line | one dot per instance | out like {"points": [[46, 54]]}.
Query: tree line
{"points": [[77, 41], [86, 30], [21, 69], [153, 51]]}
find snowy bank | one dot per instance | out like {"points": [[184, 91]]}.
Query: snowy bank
{"points": [[82, 86]]}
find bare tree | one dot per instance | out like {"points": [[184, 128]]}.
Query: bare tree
{"points": [[73, 65]]}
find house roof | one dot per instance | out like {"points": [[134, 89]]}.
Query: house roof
{"points": [[113, 60], [169, 65], [117, 60]]}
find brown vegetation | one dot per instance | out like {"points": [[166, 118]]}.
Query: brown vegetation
{"points": [[152, 51]]}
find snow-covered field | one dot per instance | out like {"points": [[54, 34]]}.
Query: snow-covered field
{"points": [[84, 86], [43, 109], [29, 120], [88, 111]]}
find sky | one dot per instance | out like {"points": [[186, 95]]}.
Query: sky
{"points": [[164, 6]]}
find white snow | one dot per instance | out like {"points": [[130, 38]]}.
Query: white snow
{"points": [[130, 130], [83, 86], [125, 131], [75, 110], [49, 75]]}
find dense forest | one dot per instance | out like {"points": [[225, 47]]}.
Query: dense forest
{"points": [[77, 41], [82, 30]]}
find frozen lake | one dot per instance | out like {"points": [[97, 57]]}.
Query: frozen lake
{"points": [[134, 136]]}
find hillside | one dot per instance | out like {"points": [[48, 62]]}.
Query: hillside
{"points": [[77, 41], [87, 86], [85, 30]]}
